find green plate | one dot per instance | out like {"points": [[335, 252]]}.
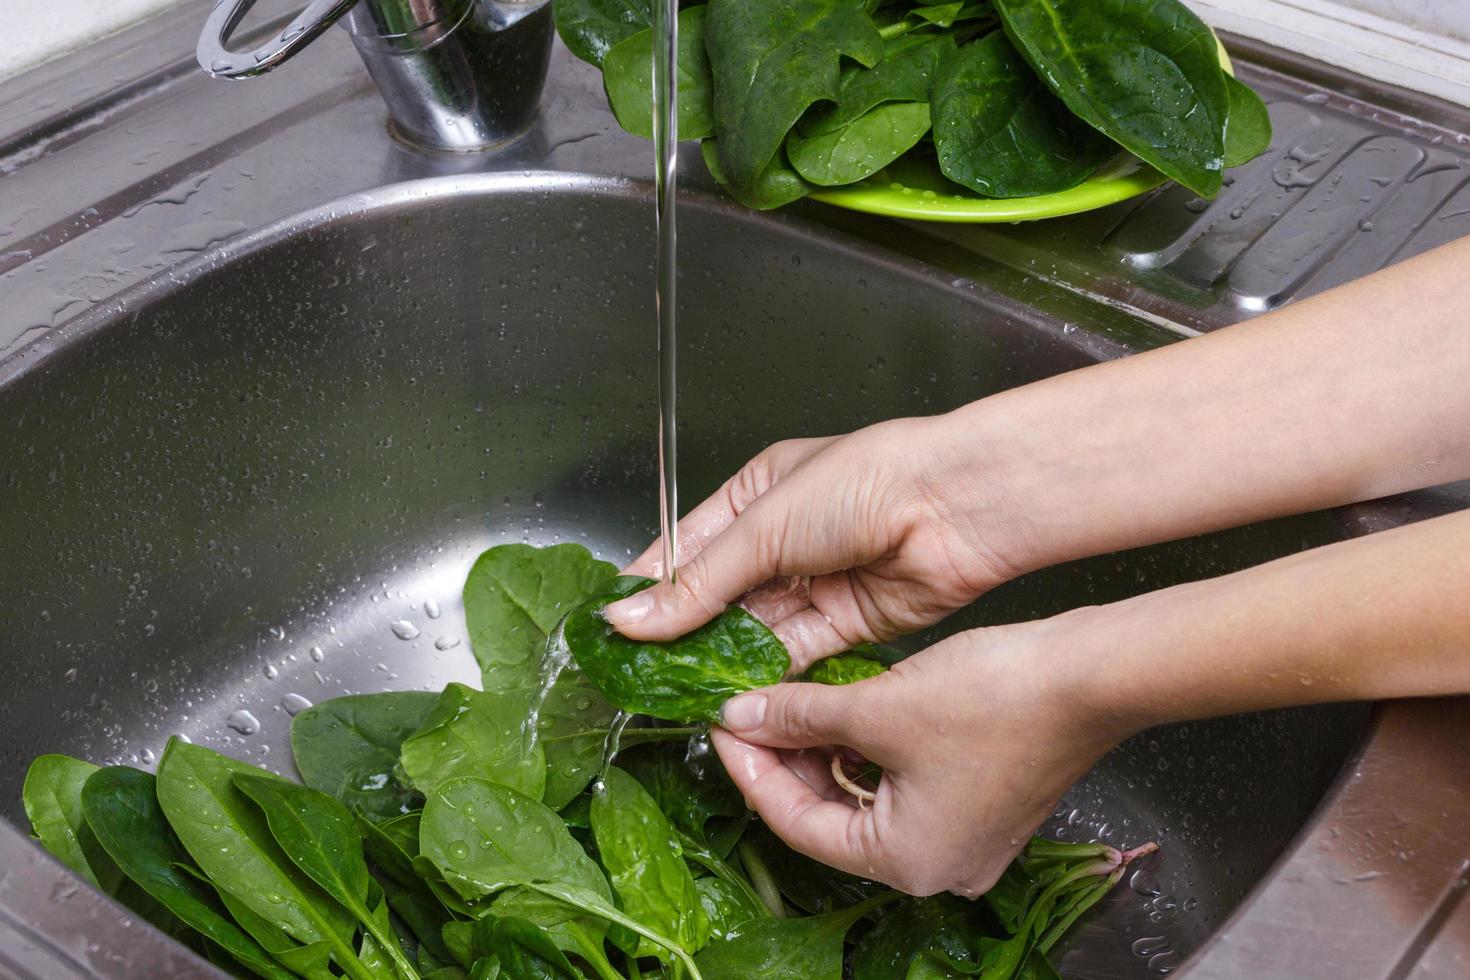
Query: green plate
{"points": [[914, 188]]}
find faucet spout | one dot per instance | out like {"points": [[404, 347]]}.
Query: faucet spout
{"points": [[458, 75]]}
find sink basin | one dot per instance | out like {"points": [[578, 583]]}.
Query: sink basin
{"points": [[248, 484]]}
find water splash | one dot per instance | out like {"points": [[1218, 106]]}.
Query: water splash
{"points": [[555, 658], [612, 744]]}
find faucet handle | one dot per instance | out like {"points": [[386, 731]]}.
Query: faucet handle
{"points": [[218, 60]]}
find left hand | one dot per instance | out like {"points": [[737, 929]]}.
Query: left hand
{"points": [[977, 742]]}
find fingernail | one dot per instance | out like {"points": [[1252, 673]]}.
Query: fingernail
{"points": [[744, 713], [629, 611]]}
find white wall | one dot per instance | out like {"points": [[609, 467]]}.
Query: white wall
{"points": [[35, 30], [1446, 18]]}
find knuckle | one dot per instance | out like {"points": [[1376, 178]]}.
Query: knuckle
{"points": [[691, 590], [793, 712]]}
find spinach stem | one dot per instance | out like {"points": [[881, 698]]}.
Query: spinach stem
{"points": [[761, 879], [606, 911], [722, 870]]}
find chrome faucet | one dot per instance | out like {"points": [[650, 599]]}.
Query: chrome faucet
{"points": [[459, 75]]}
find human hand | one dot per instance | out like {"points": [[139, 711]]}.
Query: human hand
{"points": [[977, 742], [852, 539]]}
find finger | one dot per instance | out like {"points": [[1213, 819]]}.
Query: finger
{"points": [[814, 767], [798, 716], [826, 830], [809, 636], [728, 567], [714, 514]]}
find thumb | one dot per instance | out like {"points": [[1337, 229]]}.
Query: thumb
{"points": [[734, 562], [797, 716]]}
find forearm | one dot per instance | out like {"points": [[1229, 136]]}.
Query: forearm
{"points": [[1382, 616], [1351, 395]]}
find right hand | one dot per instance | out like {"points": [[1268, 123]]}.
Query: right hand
{"points": [[855, 538]]}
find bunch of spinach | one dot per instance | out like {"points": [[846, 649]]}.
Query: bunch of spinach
{"points": [[475, 834], [1009, 98]]}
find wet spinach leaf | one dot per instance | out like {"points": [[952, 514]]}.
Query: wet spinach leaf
{"points": [[999, 130], [523, 949], [52, 798], [906, 74], [515, 595], [1146, 73], [809, 885], [484, 838], [915, 926], [689, 800], [725, 906], [862, 147], [121, 807], [590, 28], [627, 74], [808, 948], [318, 834], [1248, 130], [645, 863], [571, 928], [347, 747], [688, 678], [228, 837], [475, 733], [771, 60], [777, 185], [573, 724], [845, 668]]}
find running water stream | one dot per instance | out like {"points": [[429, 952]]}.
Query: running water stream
{"points": [[665, 183]]}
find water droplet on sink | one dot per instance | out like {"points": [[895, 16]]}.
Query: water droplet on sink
{"points": [[294, 704], [71, 675], [278, 632], [243, 722], [318, 654], [1150, 945], [270, 672], [404, 630], [446, 643], [1144, 883], [1163, 963], [147, 757], [431, 608]]}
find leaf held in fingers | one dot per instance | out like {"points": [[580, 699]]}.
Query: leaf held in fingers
{"points": [[121, 807], [688, 678], [1000, 132], [347, 747], [845, 668], [627, 74], [771, 60], [643, 857], [475, 733], [1146, 73]]}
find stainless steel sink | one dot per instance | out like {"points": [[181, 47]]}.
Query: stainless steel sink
{"points": [[258, 478]]}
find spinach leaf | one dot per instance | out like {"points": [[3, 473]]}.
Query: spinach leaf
{"points": [[319, 836], [1248, 129], [121, 807], [808, 948], [686, 679], [589, 28], [725, 906], [478, 733], [687, 799], [906, 74], [862, 147], [644, 860], [911, 928], [845, 668], [1146, 73], [52, 798], [515, 595], [627, 74], [228, 837], [347, 747], [1000, 132], [571, 928], [809, 885], [523, 949], [483, 838], [777, 185], [573, 724], [771, 60]]}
